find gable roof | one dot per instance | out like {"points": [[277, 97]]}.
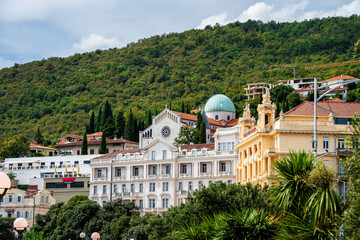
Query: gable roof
{"points": [[339, 78], [324, 108]]}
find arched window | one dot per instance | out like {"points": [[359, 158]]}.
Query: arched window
{"points": [[193, 152], [228, 118], [216, 117]]}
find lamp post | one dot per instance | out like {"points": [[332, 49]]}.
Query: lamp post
{"points": [[20, 224], [95, 236], [5, 184], [82, 235]]}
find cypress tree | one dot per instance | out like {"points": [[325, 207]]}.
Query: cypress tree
{"points": [[120, 125], [148, 118], [182, 107], [98, 121], [107, 121], [129, 126], [92, 123], [103, 144], [84, 145], [202, 132], [278, 108], [39, 139]]}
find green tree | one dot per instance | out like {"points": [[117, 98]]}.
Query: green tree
{"points": [[293, 99], [39, 139], [14, 147], [280, 92], [107, 121], [92, 123], [98, 121], [202, 132], [357, 48], [32, 235], [186, 136], [129, 126], [103, 144], [84, 145], [120, 125], [6, 226]]}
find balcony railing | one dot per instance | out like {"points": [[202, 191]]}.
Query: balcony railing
{"points": [[185, 175], [205, 174]]}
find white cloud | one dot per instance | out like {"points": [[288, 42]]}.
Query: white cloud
{"points": [[258, 11], [212, 20], [95, 41], [5, 63]]}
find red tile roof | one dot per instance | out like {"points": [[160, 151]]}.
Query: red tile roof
{"points": [[336, 100], [191, 117], [33, 145], [232, 122], [114, 154], [210, 146], [339, 77], [72, 135], [324, 108]]}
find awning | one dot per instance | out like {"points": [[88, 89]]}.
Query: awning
{"points": [[9, 210], [68, 179]]}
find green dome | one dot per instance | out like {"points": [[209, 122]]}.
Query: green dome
{"points": [[219, 102]]}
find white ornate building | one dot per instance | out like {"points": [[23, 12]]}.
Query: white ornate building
{"points": [[161, 174]]}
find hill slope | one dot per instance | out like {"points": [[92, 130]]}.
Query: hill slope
{"points": [[58, 94]]}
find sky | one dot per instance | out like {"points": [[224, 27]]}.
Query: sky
{"points": [[38, 29]]}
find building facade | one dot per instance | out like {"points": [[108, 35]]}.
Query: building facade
{"points": [[26, 203], [256, 89], [264, 141]]}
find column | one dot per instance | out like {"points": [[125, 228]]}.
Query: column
{"points": [[269, 165]]}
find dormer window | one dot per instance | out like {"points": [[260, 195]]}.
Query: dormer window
{"points": [[127, 156], [216, 117], [203, 151], [228, 118], [183, 153], [119, 156], [193, 152], [136, 156]]}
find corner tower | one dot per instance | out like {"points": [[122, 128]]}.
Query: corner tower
{"points": [[266, 112]]}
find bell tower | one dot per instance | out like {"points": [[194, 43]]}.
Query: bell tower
{"points": [[266, 112], [246, 122]]}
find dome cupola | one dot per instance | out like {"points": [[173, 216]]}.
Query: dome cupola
{"points": [[220, 107]]}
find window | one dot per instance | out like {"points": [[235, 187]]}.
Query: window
{"points": [[355, 143], [78, 152], [216, 117], [124, 188], [229, 182], [141, 188], [325, 142], [204, 168], [165, 203], [77, 185], [95, 189], [11, 165], [136, 171], [18, 199], [152, 155], [154, 170], [104, 189], [118, 172], [92, 151], [136, 156], [141, 204], [152, 187], [168, 169], [224, 146], [229, 146], [341, 142], [165, 186], [99, 173], [42, 199], [47, 199], [76, 162], [219, 146], [115, 188], [184, 169], [223, 167], [210, 182], [2, 199], [18, 214], [27, 214], [56, 185], [180, 186], [193, 152], [232, 145], [190, 186], [326, 163], [151, 203], [200, 184], [164, 154], [183, 153], [10, 199], [203, 152], [313, 142], [132, 187], [341, 168], [87, 162]]}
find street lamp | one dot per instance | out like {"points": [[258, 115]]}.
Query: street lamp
{"points": [[95, 236], [82, 235], [20, 224], [5, 184]]}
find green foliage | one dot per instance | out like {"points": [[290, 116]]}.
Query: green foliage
{"points": [[84, 145], [293, 99], [202, 132], [32, 235], [130, 123], [58, 93], [6, 225], [103, 145], [98, 121], [352, 165], [92, 123], [280, 93], [39, 139], [186, 136], [13, 147], [107, 121], [11, 175], [120, 125]]}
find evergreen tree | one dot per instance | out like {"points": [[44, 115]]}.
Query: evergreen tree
{"points": [[98, 121], [120, 125], [129, 126], [84, 145], [278, 108], [39, 139], [148, 118], [103, 144], [91, 128], [107, 121], [198, 126], [202, 132], [182, 107], [261, 98]]}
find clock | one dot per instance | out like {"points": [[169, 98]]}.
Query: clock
{"points": [[165, 131]]}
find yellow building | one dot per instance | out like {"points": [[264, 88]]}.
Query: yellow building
{"points": [[268, 139]]}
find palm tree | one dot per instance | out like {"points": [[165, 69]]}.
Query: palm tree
{"points": [[292, 192]]}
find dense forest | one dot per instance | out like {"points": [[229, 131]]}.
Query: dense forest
{"points": [[58, 95]]}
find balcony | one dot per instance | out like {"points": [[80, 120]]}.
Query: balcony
{"points": [[100, 178], [164, 176], [119, 178], [271, 151], [137, 177], [185, 175], [182, 192], [152, 176], [205, 174], [227, 173]]}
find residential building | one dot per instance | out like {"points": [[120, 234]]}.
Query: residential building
{"points": [[26, 203], [301, 85], [32, 170], [71, 144], [46, 151], [264, 141], [160, 174], [256, 89], [341, 91]]}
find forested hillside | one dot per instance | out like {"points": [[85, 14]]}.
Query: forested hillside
{"points": [[57, 95]]}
